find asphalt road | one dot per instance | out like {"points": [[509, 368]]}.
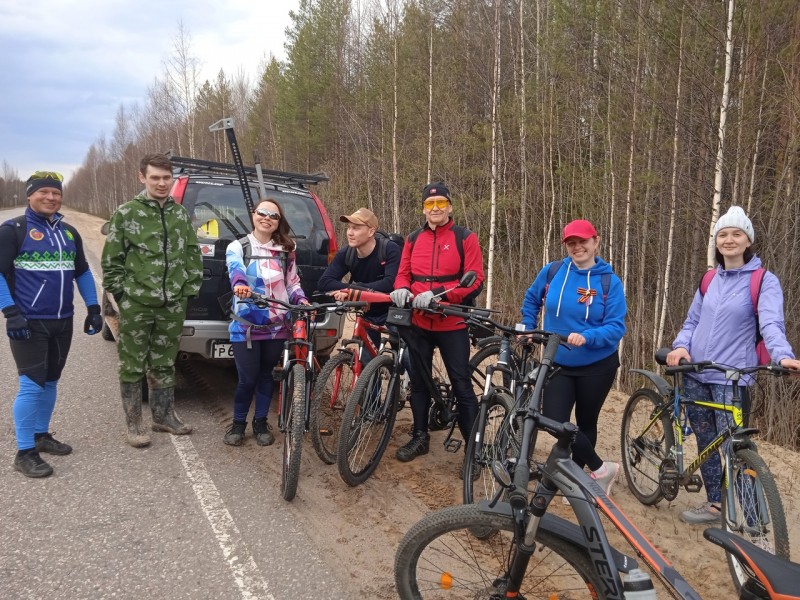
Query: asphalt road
{"points": [[183, 518]]}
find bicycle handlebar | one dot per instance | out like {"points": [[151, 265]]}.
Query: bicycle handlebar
{"points": [[686, 366], [262, 301]]}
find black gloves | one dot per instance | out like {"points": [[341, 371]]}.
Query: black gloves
{"points": [[94, 320], [16, 324]]}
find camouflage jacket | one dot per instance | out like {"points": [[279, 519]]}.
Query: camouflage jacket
{"points": [[151, 253]]}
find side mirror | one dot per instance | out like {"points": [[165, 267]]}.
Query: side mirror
{"points": [[105, 227], [467, 279]]}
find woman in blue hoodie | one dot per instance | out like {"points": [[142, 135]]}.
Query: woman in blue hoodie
{"points": [[721, 326], [585, 304]]}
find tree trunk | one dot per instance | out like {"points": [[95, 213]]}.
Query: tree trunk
{"points": [[723, 117]]}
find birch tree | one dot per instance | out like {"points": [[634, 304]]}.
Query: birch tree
{"points": [[723, 117], [495, 96]]}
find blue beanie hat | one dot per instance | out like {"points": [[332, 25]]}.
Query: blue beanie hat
{"points": [[43, 179]]}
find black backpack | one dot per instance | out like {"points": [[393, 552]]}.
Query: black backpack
{"points": [[20, 225], [460, 233], [283, 257], [382, 238]]}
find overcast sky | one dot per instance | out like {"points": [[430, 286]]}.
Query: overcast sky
{"points": [[66, 66]]}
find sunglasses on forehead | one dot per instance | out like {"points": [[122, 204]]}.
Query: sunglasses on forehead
{"points": [[440, 203], [47, 175], [263, 212]]}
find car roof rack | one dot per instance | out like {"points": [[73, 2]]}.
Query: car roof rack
{"points": [[196, 166]]}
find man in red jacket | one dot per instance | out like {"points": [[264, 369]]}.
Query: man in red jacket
{"points": [[433, 261]]}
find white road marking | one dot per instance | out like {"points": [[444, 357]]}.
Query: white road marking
{"points": [[246, 573]]}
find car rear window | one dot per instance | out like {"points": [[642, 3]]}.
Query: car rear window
{"points": [[219, 209]]}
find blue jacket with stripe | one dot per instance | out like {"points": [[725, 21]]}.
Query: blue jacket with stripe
{"points": [[41, 271]]}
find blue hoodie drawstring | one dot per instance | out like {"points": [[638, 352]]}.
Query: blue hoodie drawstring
{"points": [[563, 285], [588, 287]]}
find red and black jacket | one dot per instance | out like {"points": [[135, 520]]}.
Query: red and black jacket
{"points": [[432, 262]]}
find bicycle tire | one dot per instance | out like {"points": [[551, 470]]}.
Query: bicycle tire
{"points": [[643, 452], [755, 490], [333, 387], [440, 558], [485, 446], [293, 436], [367, 421]]}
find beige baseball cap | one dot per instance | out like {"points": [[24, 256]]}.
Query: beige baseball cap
{"points": [[363, 216]]}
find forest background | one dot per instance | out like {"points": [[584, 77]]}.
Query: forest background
{"points": [[647, 117]]}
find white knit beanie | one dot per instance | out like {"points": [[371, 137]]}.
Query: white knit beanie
{"points": [[735, 217]]}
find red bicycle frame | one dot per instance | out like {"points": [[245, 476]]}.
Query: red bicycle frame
{"points": [[359, 334]]}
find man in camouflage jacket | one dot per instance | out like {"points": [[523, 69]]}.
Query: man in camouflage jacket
{"points": [[152, 265]]}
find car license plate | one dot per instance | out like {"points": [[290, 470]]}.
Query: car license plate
{"points": [[221, 350]]}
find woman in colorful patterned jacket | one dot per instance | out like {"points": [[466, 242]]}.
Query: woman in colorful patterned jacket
{"points": [[263, 262]]}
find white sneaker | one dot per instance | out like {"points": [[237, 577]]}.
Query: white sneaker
{"points": [[606, 481], [564, 500], [705, 513]]}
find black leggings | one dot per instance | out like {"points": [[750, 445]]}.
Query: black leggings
{"points": [[587, 393], [454, 348]]}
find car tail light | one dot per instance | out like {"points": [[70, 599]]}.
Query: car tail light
{"points": [[179, 189], [332, 246]]}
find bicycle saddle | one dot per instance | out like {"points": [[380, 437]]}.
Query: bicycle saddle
{"points": [[778, 575]]}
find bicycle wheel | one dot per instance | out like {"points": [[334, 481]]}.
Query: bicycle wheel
{"points": [[367, 421], [293, 436], [440, 558], [333, 386], [752, 508], [478, 363], [487, 444], [645, 442]]}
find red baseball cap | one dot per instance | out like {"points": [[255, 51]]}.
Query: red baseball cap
{"points": [[580, 229]]}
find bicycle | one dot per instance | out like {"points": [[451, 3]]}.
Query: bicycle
{"points": [[498, 427], [652, 441], [371, 409], [536, 554], [335, 383], [296, 375]]}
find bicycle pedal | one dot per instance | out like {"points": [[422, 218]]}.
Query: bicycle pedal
{"points": [[278, 373], [694, 485], [324, 431], [453, 445]]}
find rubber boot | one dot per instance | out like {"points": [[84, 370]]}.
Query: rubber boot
{"points": [[132, 403], [162, 403]]}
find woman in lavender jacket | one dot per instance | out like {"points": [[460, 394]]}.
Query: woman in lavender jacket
{"points": [[721, 327]]}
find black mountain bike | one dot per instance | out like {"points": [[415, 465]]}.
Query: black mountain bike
{"points": [[536, 554], [371, 409]]}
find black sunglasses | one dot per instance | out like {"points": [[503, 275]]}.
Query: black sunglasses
{"points": [[263, 212]]}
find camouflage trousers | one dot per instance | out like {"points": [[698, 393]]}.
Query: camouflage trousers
{"points": [[148, 342]]}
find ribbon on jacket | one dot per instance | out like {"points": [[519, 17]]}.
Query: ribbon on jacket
{"points": [[586, 295]]}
